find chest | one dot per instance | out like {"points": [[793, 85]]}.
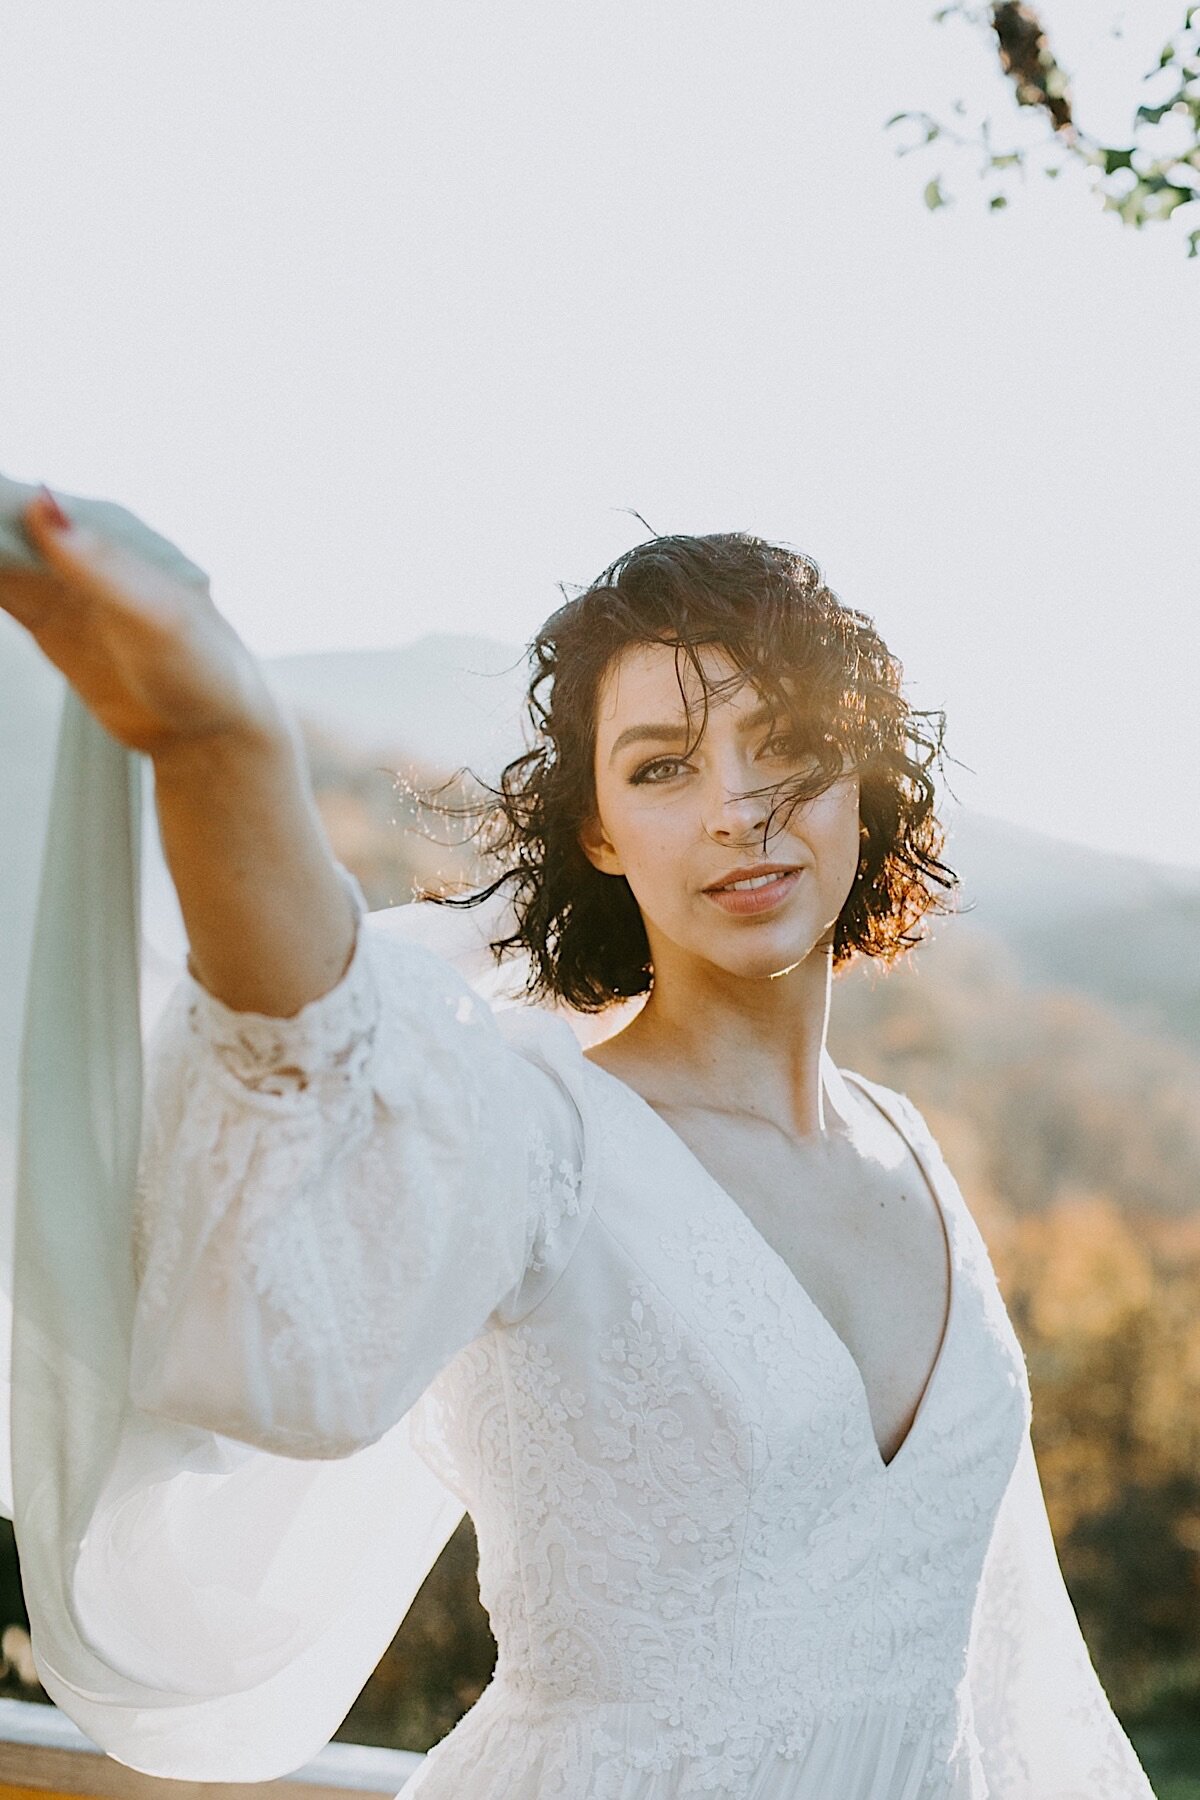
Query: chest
{"points": [[862, 1236]]}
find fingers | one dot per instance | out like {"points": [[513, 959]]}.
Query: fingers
{"points": [[92, 565], [35, 593], [74, 565], [51, 532], [48, 511], [30, 591]]}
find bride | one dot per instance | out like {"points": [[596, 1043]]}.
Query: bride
{"points": [[695, 1324]]}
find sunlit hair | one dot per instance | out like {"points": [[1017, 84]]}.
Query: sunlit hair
{"points": [[833, 685]]}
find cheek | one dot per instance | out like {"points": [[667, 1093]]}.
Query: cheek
{"points": [[640, 828], [652, 834], [840, 829]]}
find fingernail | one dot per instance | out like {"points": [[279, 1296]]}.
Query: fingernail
{"points": [[52, 512]]}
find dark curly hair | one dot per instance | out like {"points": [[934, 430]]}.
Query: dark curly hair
{"points": [[818, 663]]}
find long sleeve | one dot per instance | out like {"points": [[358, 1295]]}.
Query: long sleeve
{"points": [[1045, 1727], [331, 1206]]}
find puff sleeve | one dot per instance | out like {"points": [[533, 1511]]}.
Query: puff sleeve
{"points": [[330, 1206]]}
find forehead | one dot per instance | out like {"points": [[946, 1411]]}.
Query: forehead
{"points": [[641, 686]]}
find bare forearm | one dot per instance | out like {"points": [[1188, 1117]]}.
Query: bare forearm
{"points": [[269, 922]]}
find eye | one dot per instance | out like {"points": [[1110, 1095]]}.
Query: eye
{"points": [[797, 746], [645, 776]]}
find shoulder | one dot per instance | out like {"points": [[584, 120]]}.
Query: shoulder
{"points": [[898, 1107], [444, 1041]]}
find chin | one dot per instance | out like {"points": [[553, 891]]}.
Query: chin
{"points": [[768, 958]]}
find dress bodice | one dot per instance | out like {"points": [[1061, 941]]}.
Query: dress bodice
{"points": [[678, 1496]]}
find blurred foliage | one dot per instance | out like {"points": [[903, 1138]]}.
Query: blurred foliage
{"points": [[437, 1665], [1037, 1092], [1142, 182], [1074, 1132]]}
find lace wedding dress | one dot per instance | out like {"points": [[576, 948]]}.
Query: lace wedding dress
{"points": [[411, 1252]]}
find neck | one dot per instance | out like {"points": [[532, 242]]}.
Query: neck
{"points": [[749, 1045]]}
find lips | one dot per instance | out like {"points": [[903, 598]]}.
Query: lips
{"points": [[750, 874], [775, 888]]}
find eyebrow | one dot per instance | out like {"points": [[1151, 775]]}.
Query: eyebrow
{"points": [[674, 734]]}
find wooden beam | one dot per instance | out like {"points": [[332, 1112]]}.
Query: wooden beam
{"points": [[45, 1756]]}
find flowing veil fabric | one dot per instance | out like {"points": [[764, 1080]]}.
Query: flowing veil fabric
{"points": [[203, 1609]]}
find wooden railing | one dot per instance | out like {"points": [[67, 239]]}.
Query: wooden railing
{"points": [[43, 1753]]}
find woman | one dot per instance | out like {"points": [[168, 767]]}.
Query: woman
{"points": [[695, 1324]]}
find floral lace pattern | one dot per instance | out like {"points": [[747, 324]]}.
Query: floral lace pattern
{"points": [[556, 1184], [701, 1577], [331, 1206]]}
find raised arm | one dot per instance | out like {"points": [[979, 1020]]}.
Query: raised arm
{"points": [[267, 917], [350, 1168]]}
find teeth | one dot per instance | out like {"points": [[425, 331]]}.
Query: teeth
{"points": [[753, 882]]}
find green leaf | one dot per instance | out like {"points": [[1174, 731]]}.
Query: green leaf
{"points": [[997, 201], [1008, 161], [1052, 172], [1173, 197], [1117, 159], [934, 196]]}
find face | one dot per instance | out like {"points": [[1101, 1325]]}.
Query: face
{"points": [[680, 828]]}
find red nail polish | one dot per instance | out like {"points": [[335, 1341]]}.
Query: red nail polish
{"points": [[52, 512]]}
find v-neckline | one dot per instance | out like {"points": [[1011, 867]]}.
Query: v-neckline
{"points": [[768, 1251]]}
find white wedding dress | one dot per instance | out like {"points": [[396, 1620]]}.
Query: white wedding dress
{"points": [[410, 1252]]}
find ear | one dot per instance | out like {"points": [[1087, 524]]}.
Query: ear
{"points": [[597, 848]]}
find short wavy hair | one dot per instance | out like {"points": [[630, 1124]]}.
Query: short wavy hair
{"points": [[819, 663]]}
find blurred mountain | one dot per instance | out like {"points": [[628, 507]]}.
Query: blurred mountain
{"points": [[1014, 877], [1121, 930], [443, 700]]}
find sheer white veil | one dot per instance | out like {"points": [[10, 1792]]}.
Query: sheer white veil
{"points": [[205, 1610]]}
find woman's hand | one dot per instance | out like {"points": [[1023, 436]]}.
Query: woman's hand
{"points": [[147, 651], [139, 639]]}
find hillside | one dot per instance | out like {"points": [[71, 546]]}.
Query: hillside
{"points": [[443, 699]]}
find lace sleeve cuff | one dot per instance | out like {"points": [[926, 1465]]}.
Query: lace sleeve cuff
{"points": [[286, 1056]]}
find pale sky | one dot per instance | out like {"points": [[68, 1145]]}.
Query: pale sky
{"points": [[385, 311]]}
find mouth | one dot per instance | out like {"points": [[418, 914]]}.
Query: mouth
{"points": [[755, 890]]}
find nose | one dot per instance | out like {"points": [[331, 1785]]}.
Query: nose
{"points": [[731, 813]]}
